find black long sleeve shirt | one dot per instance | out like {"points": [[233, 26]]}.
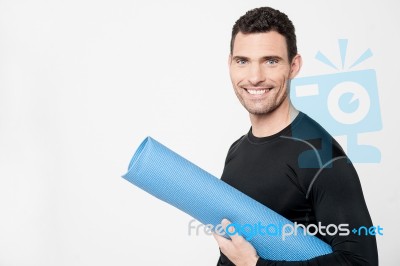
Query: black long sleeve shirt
{"points": [[303, 174]]}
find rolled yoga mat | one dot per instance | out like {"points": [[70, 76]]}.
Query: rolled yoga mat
{"points": [[173, 179]]}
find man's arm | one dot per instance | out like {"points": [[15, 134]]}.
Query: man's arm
{"points": [[337, 199], [242, 252]]}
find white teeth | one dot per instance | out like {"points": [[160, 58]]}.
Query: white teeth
{"points": [[257, 92]]}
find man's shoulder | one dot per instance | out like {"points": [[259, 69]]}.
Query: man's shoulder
{"points": [[310, 131], [310, 126], [236, 143], [307, 127]]}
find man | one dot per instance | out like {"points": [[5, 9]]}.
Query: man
{"points": [[287, 161]]}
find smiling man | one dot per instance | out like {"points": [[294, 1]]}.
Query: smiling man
{"points": [[287, 161]]}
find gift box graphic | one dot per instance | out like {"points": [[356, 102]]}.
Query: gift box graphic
{"points": [[344, 103]]}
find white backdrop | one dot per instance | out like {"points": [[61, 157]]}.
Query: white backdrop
{"points": [[83, 82]]}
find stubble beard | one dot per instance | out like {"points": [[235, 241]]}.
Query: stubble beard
{"points": [[263, 106]]}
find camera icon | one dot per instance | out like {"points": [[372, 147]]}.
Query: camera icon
{"points": [[345, 103]]}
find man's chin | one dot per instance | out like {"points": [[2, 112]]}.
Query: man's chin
{"points": [[259, 112]]}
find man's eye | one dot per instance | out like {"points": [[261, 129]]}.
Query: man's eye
{"points": [[241, 61], [272, 61]]}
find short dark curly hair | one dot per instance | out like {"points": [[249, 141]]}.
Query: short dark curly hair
{"points": [[265, 19]]}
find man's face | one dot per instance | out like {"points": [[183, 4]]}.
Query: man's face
{"points": [[260, 71]]}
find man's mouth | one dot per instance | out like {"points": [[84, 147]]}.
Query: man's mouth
{"points": [[257, 91]]}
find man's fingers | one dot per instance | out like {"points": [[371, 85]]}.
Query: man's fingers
{"points": [[225, 224], [231, 230], [222, 242]]}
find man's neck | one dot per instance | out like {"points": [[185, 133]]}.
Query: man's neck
{"points": [[271, 123]]}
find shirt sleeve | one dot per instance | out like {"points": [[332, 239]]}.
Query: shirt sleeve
{"points": [[337, 198]]}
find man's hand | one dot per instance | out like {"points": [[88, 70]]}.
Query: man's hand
{"points": [[238, 250]]}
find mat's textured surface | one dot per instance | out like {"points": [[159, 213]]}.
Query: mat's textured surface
{"points": [[173, 179]]}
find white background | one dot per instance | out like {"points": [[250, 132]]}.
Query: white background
{"points": [[83, 82]]}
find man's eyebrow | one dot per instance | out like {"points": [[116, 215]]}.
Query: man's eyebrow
{"points": [[269, 57], [239, 57], [264, 58]]}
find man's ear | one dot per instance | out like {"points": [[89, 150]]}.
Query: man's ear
{"points": [[229, 59], [295, 66]]}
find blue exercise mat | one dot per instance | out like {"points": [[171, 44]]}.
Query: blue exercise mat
{"points": [[173, 179]]}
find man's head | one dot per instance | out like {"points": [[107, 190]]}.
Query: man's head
{"points": [[263, 60], [265, 19]]}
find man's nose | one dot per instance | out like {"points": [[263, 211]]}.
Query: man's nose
{"points": [[256, 74]]}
